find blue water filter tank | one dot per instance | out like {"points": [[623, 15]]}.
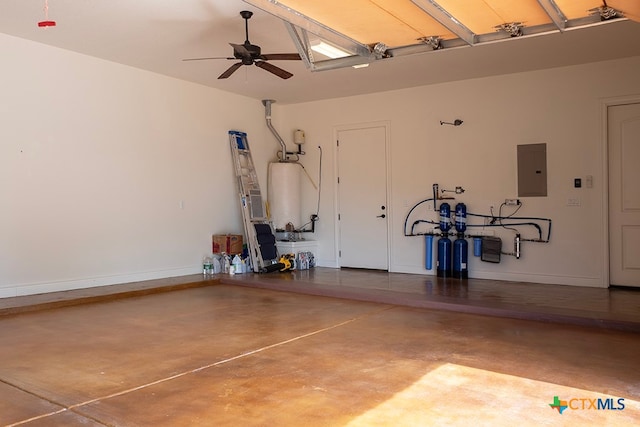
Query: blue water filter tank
{"points": [[460, 258], [477, 246], [461, 217], [444, 257], [445, 217], [428, 256]]}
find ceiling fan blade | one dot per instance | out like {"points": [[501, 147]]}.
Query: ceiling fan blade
{"points": [[242, 51], [206, 59], [230, 70], [281, 56], [273, 69]]}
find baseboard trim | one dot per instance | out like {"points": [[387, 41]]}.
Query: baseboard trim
{"points": [[29, 303]]}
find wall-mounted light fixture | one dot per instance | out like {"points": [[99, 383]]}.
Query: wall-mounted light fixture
{"points": [[456, 122]]}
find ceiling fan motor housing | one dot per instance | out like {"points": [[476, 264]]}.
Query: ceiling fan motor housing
{"points": [[254, 50]]}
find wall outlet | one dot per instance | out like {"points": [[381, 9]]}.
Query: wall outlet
{"points": [[512, 202]]}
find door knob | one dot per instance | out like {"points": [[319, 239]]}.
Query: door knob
{"points": [[381, 216]]}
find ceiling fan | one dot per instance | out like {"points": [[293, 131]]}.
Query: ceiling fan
{"points": [[250, 54]]}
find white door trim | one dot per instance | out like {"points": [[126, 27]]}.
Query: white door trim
{"points": [[387, 129], [605, 103]]}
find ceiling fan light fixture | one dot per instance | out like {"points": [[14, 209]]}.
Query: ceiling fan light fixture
{"points": [[329, 50]]}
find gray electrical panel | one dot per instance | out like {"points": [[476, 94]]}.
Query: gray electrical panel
{"points": [[532, 170]]}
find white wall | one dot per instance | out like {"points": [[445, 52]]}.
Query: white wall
{"points": [[96, 158], [110, 174], [560, 107]]}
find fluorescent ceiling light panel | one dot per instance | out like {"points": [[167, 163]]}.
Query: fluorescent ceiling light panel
{"points": [[329, 50]]}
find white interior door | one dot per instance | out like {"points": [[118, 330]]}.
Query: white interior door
{"points": [[624, 194], [362, 197]]}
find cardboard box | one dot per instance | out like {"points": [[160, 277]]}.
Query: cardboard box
{"points": [[229, 243]]}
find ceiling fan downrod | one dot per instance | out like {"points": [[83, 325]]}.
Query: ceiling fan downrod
{"points": [[246, 15]]}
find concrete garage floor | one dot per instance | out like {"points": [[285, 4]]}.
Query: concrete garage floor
{"points": [[213, 353]]}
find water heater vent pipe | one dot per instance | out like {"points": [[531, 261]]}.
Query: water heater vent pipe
{"points": [[267, 111]]}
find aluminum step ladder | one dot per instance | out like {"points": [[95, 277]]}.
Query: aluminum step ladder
{"points": [[257, 227]]}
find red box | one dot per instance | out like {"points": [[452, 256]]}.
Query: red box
{"points": [[229, 243]]}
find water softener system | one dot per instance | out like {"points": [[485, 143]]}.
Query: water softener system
{"points": [[452, 257]]}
